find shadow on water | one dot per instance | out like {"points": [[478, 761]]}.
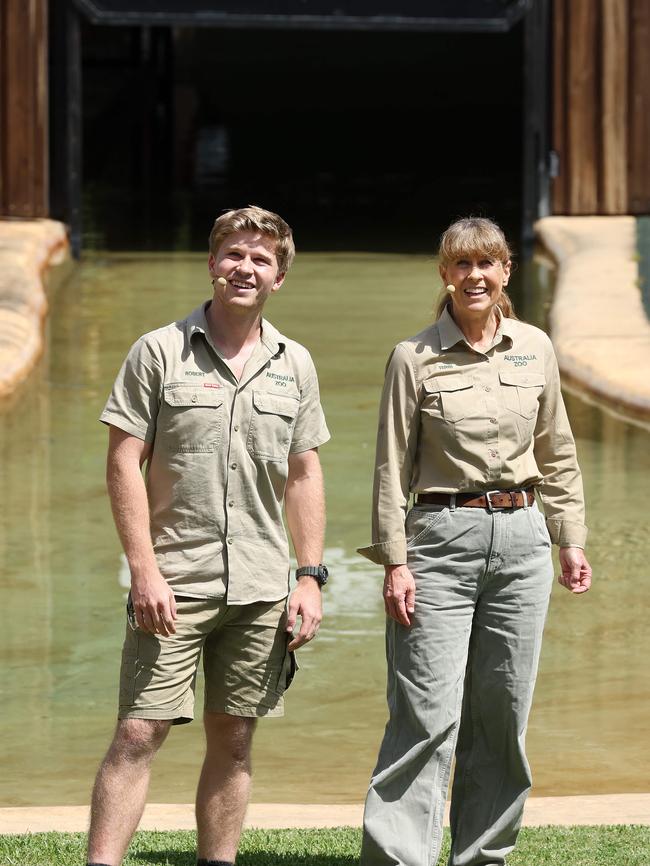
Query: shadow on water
{"points": [[180, 220]]}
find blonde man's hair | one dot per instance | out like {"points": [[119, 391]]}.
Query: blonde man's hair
{"points": [[475, 236], [255, 219]]}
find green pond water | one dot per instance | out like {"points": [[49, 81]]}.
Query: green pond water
{"points": [[62, 577]]}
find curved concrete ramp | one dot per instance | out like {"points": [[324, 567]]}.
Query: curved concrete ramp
{"points": [[599, 327], [27, 248]]}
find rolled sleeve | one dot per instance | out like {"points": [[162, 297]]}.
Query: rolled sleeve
{"points": [[135, 399], [555, 454], [396, 447]]}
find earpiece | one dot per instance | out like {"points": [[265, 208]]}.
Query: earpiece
{"points": [[221, 281], [451, 289]]}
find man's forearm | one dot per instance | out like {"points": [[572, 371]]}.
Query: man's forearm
{"points": [[131, 515], [128, 495], [305, 510], [153, 600]]}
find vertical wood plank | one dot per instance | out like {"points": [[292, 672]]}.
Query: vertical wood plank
{"points": [[559, 48], [583, 129], [17, 87], [614, 117], [23, 97], [41, 192], [639, 115]]}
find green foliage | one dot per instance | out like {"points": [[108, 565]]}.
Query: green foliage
{"points": [[541, 846]]}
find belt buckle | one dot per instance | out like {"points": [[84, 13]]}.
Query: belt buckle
{"points": [[489, 507]]}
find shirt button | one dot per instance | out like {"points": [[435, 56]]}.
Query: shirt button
{"points": [[493, 420], [487, 388], [230, 541], [236, 428], [233, 465], [493, 453], [194, 398], [231, 503]]}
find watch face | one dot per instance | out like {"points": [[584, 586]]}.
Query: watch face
{"points": [[323, 574]]}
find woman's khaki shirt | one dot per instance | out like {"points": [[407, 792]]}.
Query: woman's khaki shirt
{"points": [[453, 419]]}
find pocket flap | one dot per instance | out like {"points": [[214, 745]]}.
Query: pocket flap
{"points": [[276, 404], [191, 395], [453, 382], [521, 379]]}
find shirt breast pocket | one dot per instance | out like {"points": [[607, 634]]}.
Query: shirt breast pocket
{"points": [[273, 418], [521, 391], [191, 419], [448, 397]]}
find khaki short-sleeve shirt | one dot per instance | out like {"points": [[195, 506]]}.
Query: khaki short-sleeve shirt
{"points": [[218, 468], [453, 419]]}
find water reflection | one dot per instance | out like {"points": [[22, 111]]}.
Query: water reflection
{"points": [[63, 578]]}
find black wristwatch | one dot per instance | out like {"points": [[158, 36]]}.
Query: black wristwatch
{"points": [[318, 572]]}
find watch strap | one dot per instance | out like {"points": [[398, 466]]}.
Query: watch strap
{"points": [[318, 572]]}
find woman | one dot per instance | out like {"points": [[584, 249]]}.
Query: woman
{"points": [[472, 423]]}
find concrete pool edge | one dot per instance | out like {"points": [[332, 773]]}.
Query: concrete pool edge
{"points": [[27, 249], [598, 323], [540, 811]]}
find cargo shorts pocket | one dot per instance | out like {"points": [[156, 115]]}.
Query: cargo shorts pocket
{"points": [[190, 419], [273, 417], [128, 669], [287, 672]]}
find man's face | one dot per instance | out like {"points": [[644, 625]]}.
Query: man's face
{"points": [[247, 261]]}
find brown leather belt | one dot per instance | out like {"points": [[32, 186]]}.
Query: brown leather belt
{"points": [[491, 499]]}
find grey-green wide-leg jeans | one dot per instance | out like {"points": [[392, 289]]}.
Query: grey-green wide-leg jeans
{"points": [[461, 677]]}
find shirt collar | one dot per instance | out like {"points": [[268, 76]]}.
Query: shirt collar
{"points": [[504, 329], [197, 323], [450, 333]]}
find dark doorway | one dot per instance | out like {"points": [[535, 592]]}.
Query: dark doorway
{"points": [[362, 140]]}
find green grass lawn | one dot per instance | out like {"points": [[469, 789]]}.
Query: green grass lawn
{"points": [[543, 846]]}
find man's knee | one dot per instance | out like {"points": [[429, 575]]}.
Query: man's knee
{"points": [[138, 739], [232, 736]]}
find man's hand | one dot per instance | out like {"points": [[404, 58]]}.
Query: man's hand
{"points": [[576, 571], [153, 601], [304, 502], [154, 604], [306, 602], [399, 593]]}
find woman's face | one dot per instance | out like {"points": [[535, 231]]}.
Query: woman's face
{"points": [[478, 281]]}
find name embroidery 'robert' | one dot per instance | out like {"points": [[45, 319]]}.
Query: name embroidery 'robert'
{"points": [[520, 360]]}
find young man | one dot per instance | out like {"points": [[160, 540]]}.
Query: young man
{"points": [[225, 412]]}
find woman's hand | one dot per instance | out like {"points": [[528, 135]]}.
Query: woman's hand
{"points": [[399, 593], [576, 571]]}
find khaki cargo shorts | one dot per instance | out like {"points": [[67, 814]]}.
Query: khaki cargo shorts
{"points": [[246, 663]]}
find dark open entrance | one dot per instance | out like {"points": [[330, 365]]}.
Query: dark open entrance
{"points": [[368, 136]]}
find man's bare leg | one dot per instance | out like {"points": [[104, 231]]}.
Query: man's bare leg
{"points": [[224, 786], [121, 787]]}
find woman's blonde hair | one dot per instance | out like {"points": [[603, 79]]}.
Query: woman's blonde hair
{"points": [[474, 236]]}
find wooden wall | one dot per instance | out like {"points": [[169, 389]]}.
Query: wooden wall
{"points": [[601, 106], [24, 179]]}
